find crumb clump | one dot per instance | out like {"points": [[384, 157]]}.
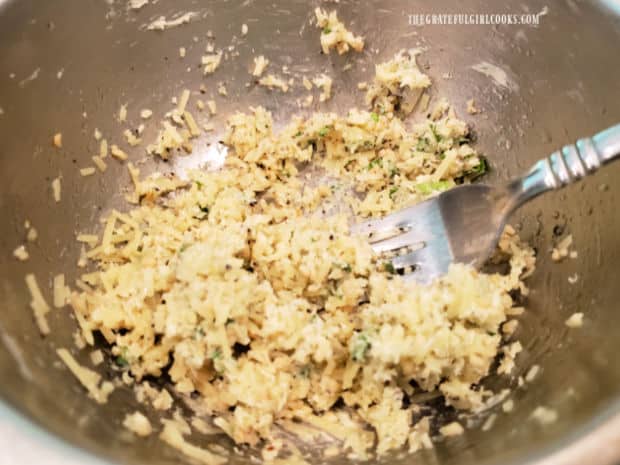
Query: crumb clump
{"points": [[334, 33]]}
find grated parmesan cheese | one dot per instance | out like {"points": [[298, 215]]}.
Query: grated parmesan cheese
{"points": [[532, 373], [508, 406], [146, 113], [96, 357], [38, 304], [509, 327], [194, 130], [244, 29], [57, 140], [273, 82], [117, 153], [211, 62], [575, 320], [21, 253], [137, 4], [60, 298], [167, 139], [132, 140], [471, 107], [172, 435], [561, 250], [91, 239], [32, 234], [56, 189], [489, 422], [544, 416], [88, 378], [212, 107], [451, 429], [510, 352], [183, 101], [99, 163], [87, 171], [138, 424], [122, 113], [260, 64]]}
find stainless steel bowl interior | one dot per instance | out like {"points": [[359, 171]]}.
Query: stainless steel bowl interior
{"points": [[566, 85]]}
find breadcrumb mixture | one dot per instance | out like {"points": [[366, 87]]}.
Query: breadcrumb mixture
{"points": [[246, 286]]}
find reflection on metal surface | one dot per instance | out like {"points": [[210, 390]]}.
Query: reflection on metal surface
{"points": [[496, 74], [613, 5], [16, 352], [212, 157]]}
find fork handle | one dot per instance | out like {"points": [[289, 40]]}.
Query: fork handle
{"points": [[567, 165]]}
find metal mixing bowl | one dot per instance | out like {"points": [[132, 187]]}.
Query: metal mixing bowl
{"points": [[566, 85]]}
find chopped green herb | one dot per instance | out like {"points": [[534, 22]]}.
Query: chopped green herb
{"points": [[479, 169], [122, 359], [304, 371], [323, 131], [375, 162], [183, 248], [359, 347], [375, 117], [389, 268], [216, 354], [229, 321], [436, 135], [199, 184], [426, 188], [393, 191], [326, 30], [204, 209], [423, 145], [298, 134], [346, 267], [394, 172]]}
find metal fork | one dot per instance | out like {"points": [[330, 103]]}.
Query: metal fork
{"points": [[464, 224]]}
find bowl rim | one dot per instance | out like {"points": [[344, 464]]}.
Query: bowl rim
{"points": [[581, 442]]}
